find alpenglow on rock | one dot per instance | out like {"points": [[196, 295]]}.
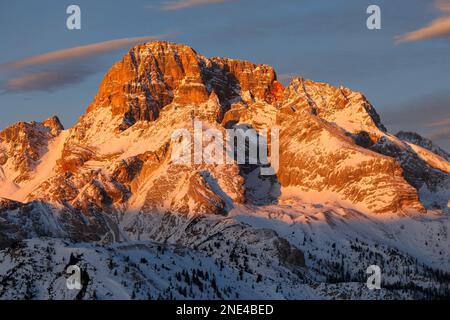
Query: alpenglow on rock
{"points": [[107, 188]]}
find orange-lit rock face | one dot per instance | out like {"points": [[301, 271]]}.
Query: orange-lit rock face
{"points": [[246, 77], [277, 91], [155, 74], [145, 80], [316, 156], [25, 143]]}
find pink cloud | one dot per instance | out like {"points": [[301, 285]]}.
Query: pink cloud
{"points": [[441, 122], [52, 70], [184, 4], [443, 5], [441, 134], [438, 28], [78, 52]]}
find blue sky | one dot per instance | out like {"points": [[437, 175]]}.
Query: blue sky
{"points": [[323, 40]]}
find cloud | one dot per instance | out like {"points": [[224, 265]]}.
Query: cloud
{"points": [[48, 80], [428, 115], [77, 52], [43, 80], [50, 71], [428, 111], [185, 4], [441, 122], [438, 28], [443, 5], [441, 134]]}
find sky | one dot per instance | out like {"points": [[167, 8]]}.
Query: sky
{"points": [[403, 68]]}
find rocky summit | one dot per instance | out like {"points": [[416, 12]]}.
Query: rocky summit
{"points": [[107, 194]]}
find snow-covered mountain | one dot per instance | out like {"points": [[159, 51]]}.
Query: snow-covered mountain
{"points": [[106, 194]]}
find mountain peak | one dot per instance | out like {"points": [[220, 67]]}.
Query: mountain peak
{"points": [[54, 124], [423, 142], [23, 144], [155, 74]]}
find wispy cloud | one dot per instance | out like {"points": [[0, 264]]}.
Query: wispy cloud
{"points": [[428, 115], [441, 122], [440, 134], [78, 52], [443, 5], [438, 28], [185, 4], [48, 80], [55, 69]]}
